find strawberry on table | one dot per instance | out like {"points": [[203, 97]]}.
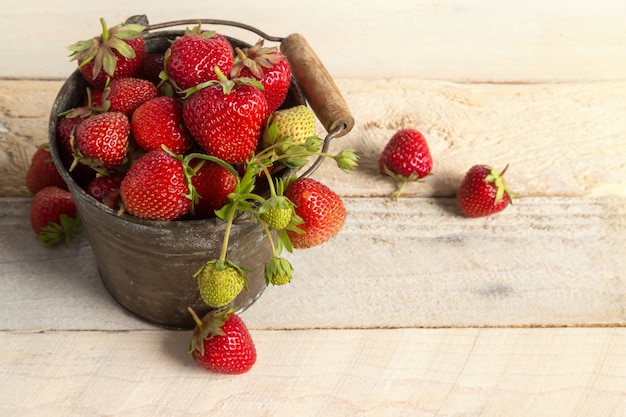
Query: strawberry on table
{"points": [[483, 192], [222, 343], [42, 172], [159, 122], [192, 57], [269, 66], [321, 210], [406, 157], [53, 215], [226, 118], [156, 187], [117, 52]]}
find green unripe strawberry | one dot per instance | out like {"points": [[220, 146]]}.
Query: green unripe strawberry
{"points": [[297, 123], [219, 282], [278, 271], [276, 212]]}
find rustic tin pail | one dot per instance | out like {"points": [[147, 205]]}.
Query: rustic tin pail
{"points": [[148, 266]]}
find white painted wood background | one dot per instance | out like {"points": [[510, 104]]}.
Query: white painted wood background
{"points": [[413, 310]]}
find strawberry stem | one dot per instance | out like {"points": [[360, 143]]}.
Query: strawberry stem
{"points": [[105, 31], [229, 226], [401, 189], [269, 238], [269, 181], [195, 317]]}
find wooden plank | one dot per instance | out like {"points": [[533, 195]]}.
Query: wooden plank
{"points": [[412, 263], [560, 139], [380, 372], [468, 41]]}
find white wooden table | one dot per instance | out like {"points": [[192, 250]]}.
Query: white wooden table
{"points": [[411, 310]]}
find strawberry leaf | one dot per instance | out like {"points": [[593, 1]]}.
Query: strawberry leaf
{"points": [[54, 233]]}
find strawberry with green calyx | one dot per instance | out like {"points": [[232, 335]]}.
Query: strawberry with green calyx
{"points": [[220, 282], [277, 211], [278, 271], [213, 183], [226, 117], [297, 122], [222, 343], [102, 141], [192, 57], [269, 66], [406, 157], [117, 52], [483, 192], [321, 210], [156, 187], [53, 216]]}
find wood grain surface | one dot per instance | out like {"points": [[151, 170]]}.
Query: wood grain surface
{"points": [[412, 310]]}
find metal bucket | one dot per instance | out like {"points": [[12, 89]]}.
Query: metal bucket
{"points": [[147, 265]]}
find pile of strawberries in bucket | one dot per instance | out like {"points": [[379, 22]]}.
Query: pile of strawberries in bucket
{"points": [[203, 131], [199, 131]]}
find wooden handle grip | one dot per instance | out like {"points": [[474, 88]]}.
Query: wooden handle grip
{"points": [[321, 91]]}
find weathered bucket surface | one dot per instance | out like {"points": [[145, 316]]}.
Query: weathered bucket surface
{"points": [[148, 266]]}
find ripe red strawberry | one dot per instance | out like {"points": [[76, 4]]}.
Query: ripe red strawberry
{"points": [[222, 343], [42, 172], [66, 131], [103, 139], [270, 67], [226, 119], [213, 183], [53, 215], [125, 94], [192, 58], [159, 121], [155, 187], [106, 189], [483, 192], [117, 52], [406, 157], [320, 208]]}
